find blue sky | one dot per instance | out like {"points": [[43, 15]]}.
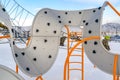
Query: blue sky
{"points": [[35, 5]]}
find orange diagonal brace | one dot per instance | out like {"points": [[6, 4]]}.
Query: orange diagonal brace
{"points": [[113, 8], [115, 67], [83, 40]]}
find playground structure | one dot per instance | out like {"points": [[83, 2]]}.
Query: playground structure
{"points": [[46, 29]]}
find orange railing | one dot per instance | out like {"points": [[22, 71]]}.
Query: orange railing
{"points": [[115, 77]]}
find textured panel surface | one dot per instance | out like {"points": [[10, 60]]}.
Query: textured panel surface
{"points": [[4, 17]]}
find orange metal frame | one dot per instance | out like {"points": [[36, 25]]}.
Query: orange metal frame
{"points": [[66, 66], [115, 77], [72, 49]]}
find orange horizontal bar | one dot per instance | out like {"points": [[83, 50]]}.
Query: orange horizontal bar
{"points": [[6, 36], [76, 69], [76, 55], [76, 33], [76, 62], [78, 48]]}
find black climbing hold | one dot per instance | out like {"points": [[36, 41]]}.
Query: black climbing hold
{"points": [[16, 55], [55, 32], [13, 43], [84, 21], [34, 48], [49, 56], [94, 10], [99, 8], [4, 9], [85, 42], [12, 30], [48, 24], [34, 59], [45, 12], [69, 21], [96, 20], [66, 13], [86, 24], [59, 17], [80, 12], [27, 68], [37, 30], [89, 31], [45, 40], [23, 53], [94, 51], [60, 21], [95, 43]]}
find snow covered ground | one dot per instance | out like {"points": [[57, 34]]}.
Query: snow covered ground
{"points": [[56, 72]]}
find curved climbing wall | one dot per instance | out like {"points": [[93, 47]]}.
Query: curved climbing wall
{"points": [[42, 50]]}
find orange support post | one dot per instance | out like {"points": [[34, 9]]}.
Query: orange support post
{"points": [[68, 44], [70, 50], [94, 66], [28, 41], [39, 78], [17, 69], [82, 62], [115, 77]]}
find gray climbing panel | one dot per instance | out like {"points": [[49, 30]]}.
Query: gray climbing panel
{"points": [[42, 51], [8, 74], [4, 17]]}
